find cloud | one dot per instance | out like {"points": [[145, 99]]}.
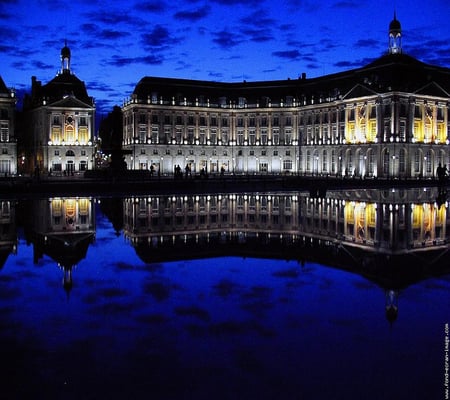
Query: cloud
{"points": [[159, 37], [110, 34], [36, 64], [257, 35], [215, 75], [367, 43], [258, 19], [237, 2], [346, 4], [353, 64], [119, 61], [194, 15], [151, 6], [226, 40], [287, 54]]}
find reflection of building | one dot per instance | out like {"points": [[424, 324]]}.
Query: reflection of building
{"points": [[61, 122], [8, 143], [387, 119], [392, 221], [63, 228], [374, 233], [8, 230]]}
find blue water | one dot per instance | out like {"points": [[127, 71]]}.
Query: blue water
{"points": [[217, 328]]}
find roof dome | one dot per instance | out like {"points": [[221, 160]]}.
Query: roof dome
{"points": [[395, 26], [65, 52]]}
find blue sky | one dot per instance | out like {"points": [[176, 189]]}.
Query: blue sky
{"points": [[114, 44]]}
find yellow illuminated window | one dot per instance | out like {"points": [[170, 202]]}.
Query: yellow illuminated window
{"points": [[56, 206], [417, 217], [83, 206], [56, 134], [349, 213], [69, 134], [441, 134], [418, 131], [371, 215], [350, 133], [83, 135]]}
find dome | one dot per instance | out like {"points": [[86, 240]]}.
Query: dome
{"points": [[65, 51], [394, 26]]}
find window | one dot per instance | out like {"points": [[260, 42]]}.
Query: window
{"points": [[417, 161], [287, 164], [264, 137], [56, 152], [252, 137], [213, 136], [240, 137], [276, 137], [401, 161], [83, 152]]}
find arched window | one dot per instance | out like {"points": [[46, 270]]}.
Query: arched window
{"points": [[70, 153]]}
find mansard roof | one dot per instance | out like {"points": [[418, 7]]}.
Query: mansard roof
{"points": [[391, 72], [3, 88], [62, 85]]}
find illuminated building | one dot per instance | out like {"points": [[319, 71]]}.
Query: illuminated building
{"points": [[388, 119], [61, 122], [8, 143]]}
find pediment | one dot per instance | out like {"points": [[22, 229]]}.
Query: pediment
{"points": [[359, 91], [70, 102], [432, 89]]}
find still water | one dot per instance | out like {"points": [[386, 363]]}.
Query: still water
{"points": [[225, 296]]}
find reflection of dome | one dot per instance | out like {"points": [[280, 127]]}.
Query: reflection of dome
{"points": [[391, 313], [391, 305]]}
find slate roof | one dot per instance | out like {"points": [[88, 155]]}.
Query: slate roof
{"points": [[390, 72], [63, 85], [3, 88]]}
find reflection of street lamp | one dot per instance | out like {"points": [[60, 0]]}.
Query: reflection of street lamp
{"points": [[232, 156], [393, 166]]}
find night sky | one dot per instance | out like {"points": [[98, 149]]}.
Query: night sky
{"points": [[114, 44]]}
